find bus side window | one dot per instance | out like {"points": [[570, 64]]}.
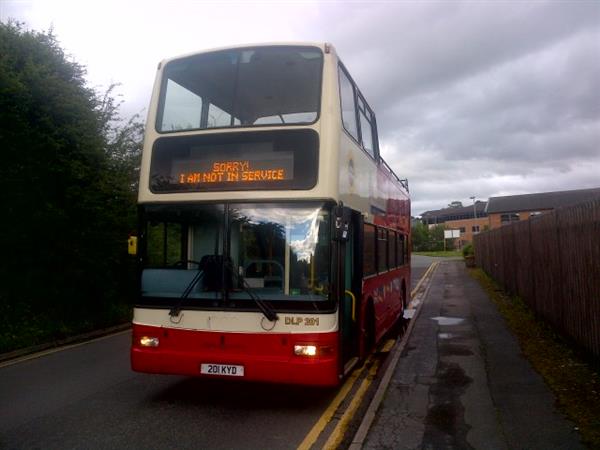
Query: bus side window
{"points": [[366, 130], [348, 104], [400, 250], [369, 249], [391, 249], [382, 250]]}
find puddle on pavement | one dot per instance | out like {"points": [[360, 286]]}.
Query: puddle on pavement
{"points": [[445, 425], [445, 335], [447, 349], [448, 320]]}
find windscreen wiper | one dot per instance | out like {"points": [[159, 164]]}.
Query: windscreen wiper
{"points": [[176, 309], [267, 311]]}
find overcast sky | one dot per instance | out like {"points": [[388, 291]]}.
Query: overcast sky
{"points": [[472, 98]]}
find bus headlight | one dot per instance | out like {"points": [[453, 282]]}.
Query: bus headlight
{"points": [[305, 350], [148, 341]]}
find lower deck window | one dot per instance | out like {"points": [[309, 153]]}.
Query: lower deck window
{"points": [[232, 252]]}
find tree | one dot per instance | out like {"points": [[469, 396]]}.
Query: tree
{"points": [[426, 239], [419, 237], [455, 204], [436, 238], [66, 172]]}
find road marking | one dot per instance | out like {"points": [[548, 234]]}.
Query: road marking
{"points": [[361, 434], [388, 346], [414, 291], [322, 422], [336, 437], [58, 349], [320, 425]]}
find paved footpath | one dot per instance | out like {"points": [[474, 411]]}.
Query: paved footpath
{"points": [[461, 381]]}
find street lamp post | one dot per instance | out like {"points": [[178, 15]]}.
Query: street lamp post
{"points": [[474, 209]]}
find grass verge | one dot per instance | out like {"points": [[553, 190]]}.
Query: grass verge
{"points": [[575, 383], [442, 254]]}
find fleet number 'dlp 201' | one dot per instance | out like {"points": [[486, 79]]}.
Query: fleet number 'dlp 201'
{"points": [[306, 321]]}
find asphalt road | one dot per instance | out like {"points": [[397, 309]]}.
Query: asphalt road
{"points": [[88, 397], [418, 266]]}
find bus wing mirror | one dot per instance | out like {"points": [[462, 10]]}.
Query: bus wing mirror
{"points": [[132, 245], [341, 229]]}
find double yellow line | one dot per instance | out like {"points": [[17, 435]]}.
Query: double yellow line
{"points": [[336, 436]]}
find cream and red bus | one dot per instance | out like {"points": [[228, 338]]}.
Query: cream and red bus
{"points": [[273, 238]]}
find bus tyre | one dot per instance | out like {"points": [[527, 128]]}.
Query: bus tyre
{"points": [[401, 323]]}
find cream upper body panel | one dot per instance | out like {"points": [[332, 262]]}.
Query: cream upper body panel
{"points": [[326, 126], [345, 171]]}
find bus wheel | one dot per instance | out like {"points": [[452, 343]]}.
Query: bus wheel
{"points": [[401, 322]]}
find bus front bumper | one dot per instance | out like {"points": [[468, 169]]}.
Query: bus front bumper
{"points": [[264, 357]]}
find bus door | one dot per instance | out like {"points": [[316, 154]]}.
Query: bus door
{"points": [[349, 288]]}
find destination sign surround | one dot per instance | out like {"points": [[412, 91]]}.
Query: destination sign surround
{"points": [[265, 160], [263, 170]]}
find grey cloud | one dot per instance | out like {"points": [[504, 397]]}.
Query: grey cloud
{"points": [[516, 110], [472, 98], [427, 45]]}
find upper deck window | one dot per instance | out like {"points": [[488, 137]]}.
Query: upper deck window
{"points": [[241, 88], [348, 105], [357, 118], [366, 131]]}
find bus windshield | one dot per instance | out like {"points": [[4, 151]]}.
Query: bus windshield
{"points": [[240, 88], [278, 252]]}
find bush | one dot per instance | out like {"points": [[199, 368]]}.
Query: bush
{"points": [[67, 165], [468, 250]]}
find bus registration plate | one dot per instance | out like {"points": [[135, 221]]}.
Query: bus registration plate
{"points": [[222, 369]]}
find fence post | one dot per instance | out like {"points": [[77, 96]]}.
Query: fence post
{"points": [[561, 272], [533, 301]]}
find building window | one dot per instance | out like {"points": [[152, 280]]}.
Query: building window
{"points": [[475, 228], [462, 230], [508, 218]]}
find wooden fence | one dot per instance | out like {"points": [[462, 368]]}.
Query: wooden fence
{"points": [[552, 262]]}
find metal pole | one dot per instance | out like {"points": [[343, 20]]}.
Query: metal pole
{"points": [[474, 209]]}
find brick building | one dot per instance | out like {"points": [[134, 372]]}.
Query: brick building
{"points": [[498, 211], [512, 208], [440, 216], [468, 228]]}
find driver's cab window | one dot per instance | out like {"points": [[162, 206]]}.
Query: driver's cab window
{"points": [[258, 250], [165, 243]]}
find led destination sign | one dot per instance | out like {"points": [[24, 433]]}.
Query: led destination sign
{"points": [[237, 171], [265, 160]]}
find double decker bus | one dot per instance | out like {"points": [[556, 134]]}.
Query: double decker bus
{"points": [[273, 238]]}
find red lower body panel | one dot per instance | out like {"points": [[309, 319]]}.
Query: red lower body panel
{"points": [[265, 356]]}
